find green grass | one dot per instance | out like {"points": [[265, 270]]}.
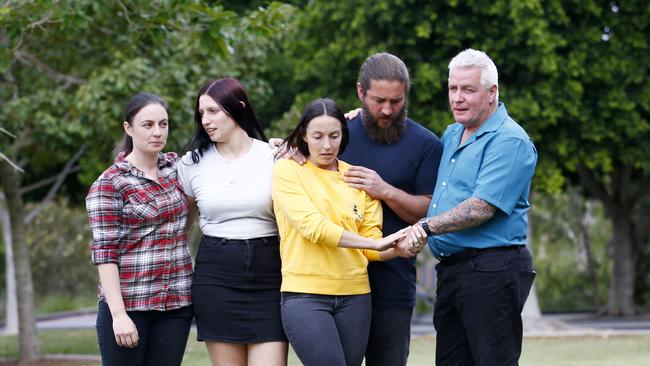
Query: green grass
{"points": [[58, 303], [556, 351]]}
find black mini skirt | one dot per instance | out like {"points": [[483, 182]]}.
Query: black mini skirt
{"points": [[236, 290]]}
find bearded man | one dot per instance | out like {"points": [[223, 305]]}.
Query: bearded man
{"points": [[395, 160]]}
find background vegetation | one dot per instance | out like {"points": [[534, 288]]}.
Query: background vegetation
{"points": [[573, 73]]}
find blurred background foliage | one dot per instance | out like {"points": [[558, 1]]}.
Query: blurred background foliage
{"points": [[573, 73]]}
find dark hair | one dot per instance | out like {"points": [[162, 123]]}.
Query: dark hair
{"points": [[229, 93], [384, 66], [317, 108], [133, 106]]}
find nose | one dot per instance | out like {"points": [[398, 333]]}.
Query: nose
{"points": [[456, 96], [387, 109], [327, 144], [157, 130]]}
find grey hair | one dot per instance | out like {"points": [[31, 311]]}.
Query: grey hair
{"points": [[474, 58], [384, 66]]}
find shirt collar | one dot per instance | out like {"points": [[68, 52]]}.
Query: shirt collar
{"points": [[491, 124], [125, 166]]}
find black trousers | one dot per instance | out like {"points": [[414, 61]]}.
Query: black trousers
{"points": [[477, 314], [162, 337]]}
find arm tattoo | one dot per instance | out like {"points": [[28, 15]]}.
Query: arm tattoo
{"points": [[469, 213]]}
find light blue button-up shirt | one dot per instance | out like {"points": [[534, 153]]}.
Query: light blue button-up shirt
{"points": [[495, 164]]}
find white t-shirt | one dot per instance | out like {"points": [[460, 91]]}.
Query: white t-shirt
{"points": [[233, 196]]}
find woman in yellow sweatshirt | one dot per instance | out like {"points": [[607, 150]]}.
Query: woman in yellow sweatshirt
{"points": [[328, 233]]}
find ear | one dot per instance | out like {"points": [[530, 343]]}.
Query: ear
{"points": [[243, 105], [493, 93], [360, 91], [127, 128]]}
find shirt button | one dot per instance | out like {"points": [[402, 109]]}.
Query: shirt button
{"points": [[444, 184], [453, 160], [435, 205]]}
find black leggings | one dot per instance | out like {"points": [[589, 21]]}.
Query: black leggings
{"points": [[162, 337]]}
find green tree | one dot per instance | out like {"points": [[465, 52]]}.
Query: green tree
{"points": [[68, 66], [573, 73]]}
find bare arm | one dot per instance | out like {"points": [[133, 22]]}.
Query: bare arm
{"points": [[469, 213], [410, 208], [352, 240], [126, 334]]}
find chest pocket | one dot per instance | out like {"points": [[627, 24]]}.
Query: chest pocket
{"points": [[144, 205]]}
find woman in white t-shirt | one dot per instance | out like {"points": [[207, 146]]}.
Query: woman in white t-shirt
{"points": [[227, 175]]}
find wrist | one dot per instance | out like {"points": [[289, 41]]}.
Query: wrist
{"points": [[424, 223]]}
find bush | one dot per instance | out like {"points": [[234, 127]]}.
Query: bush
{"points": [[571, 251], [59, 242]]}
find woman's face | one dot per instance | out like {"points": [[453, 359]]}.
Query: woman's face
{"points": [[217, 124], [149, 129], [323, 138]]}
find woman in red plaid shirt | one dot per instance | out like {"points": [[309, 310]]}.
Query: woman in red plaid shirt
{"points": [[138, 216]]}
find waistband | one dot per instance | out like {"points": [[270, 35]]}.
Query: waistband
{"points": [[473, 252], [263, 240]]}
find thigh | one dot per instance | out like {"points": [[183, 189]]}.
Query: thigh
{"points": [[352, 317], [231, 354], [490, 306], [390, 336], [167, 336], [452, 346], [309, 324], [267, 354], [112, 354]]}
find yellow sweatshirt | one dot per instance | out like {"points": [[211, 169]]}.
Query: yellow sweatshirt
{"points": [[312, 208]]}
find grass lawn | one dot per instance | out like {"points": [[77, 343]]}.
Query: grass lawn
{"points": [[557, 351]]}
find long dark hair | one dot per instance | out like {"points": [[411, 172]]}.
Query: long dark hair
{"points": [[317, 108], [133, 106], [229, 93]]}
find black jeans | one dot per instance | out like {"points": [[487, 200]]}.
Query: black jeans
{"points": [[390, 336], [478, 307], [162, 337], [327, 330]]}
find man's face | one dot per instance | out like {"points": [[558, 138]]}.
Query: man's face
{"points": [[384, 110], [470, 102], [384, 100]]}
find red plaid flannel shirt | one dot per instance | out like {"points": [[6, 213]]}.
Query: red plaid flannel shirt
{"points": [[139, 224]]}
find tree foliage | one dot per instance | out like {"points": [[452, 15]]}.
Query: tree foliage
{"points": [[67, 68], [573, 73]]}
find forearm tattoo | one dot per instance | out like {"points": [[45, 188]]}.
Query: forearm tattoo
{"points": [[469, 213]]}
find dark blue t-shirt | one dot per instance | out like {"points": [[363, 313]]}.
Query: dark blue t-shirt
{"points": [[410, 164]]}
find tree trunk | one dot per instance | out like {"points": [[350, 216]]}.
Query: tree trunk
{"points": [[11, 319], [619, 199], [28, 340], [585, 221], [621, 287]]}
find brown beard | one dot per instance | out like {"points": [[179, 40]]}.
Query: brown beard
{"points": [[384, 135]]}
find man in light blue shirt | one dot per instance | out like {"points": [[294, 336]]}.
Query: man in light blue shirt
{"points": [[477, 222]]}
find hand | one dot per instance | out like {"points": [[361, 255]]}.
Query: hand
{"points": [[280, 151], [391, 240], [352, 114], [126, 334], [413, 242], [366, 179]]}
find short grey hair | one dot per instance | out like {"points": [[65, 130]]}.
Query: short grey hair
{"points": [[384, 66], [474, 58]]}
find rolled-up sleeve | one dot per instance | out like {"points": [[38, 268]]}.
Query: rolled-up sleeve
{"points": [[291, 199], [104, 206]]}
